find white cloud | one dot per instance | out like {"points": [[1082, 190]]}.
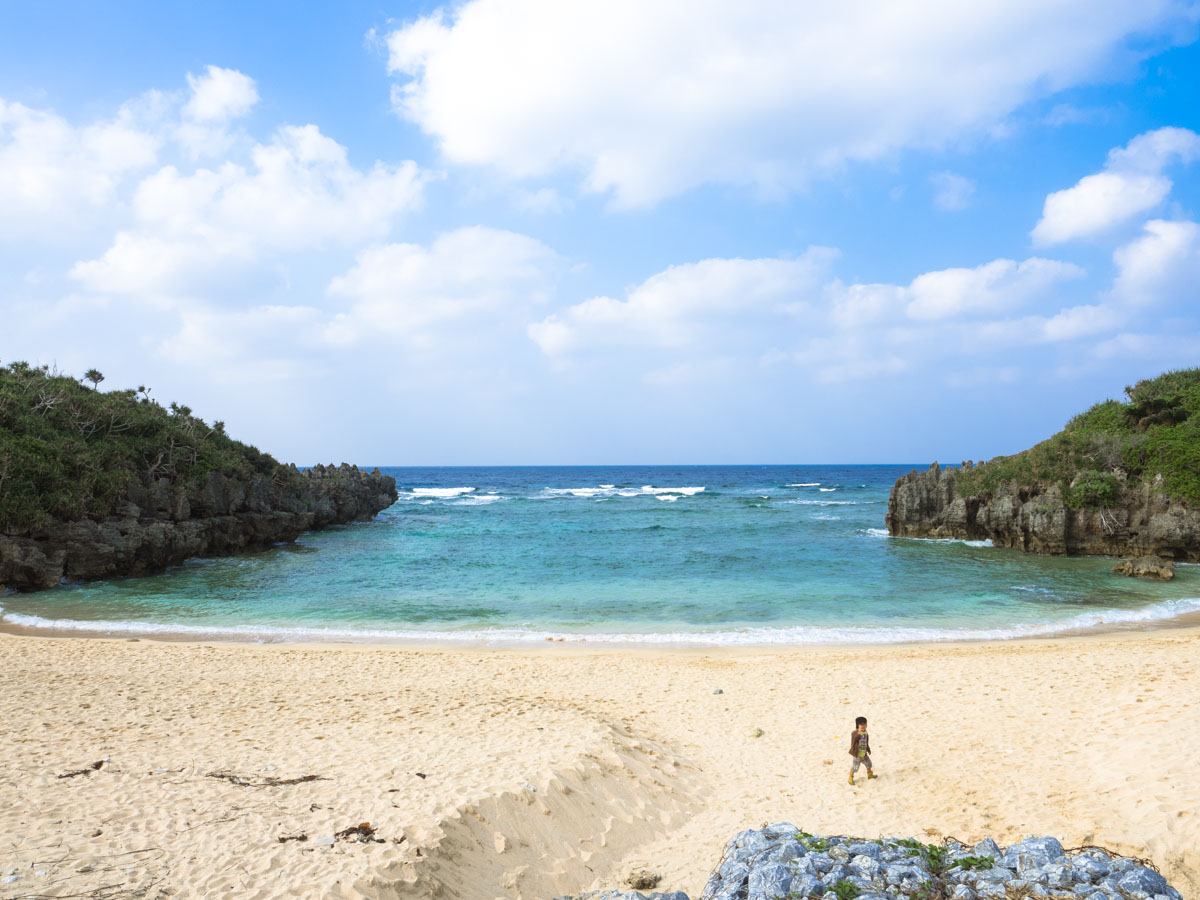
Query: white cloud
{"points": [[997, 287], [1131, 183], [763, 93], [1080, 321], [219, 95], [951, 192], [301, 194], [1162, 266], [466, 280], [864, 305], [1154, 150], [56, 176], [714, 302], [758, 314]]}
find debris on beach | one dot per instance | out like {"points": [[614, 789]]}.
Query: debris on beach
{"points": [[361, 833], [270, 781], [86, 770], [783, 861], [643, 879]]}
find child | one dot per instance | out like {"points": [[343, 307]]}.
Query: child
{"points": [[860, 748]]}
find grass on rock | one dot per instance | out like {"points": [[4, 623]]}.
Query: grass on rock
{"points": [[1153, 436], [69, 452]]}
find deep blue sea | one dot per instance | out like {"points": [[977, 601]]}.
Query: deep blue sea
{"points": [[693, 554]]}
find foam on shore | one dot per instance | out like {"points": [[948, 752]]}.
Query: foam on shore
{"points": [[753, 636]]}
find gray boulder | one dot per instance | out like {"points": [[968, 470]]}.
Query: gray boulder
{"points": [[769, 882]]}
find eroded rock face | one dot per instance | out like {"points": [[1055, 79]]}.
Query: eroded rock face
{"points": [[1145, 522], [161, 525], [1146, 567]]}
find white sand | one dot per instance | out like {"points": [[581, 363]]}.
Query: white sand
{"points": [[635, 761]]}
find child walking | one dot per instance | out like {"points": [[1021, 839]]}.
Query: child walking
{"points": [[860, 748]]}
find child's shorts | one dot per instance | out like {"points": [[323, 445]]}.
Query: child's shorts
{"points": [[861, 760]]}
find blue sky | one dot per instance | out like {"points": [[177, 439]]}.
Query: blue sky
{"points": [[509, 231]]}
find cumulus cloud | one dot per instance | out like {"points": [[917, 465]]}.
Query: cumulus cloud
{"points": [[300, 193], [55, 175], [763, 94], [747, 313], [996, 287], [951, 192], [219, 95], [1162, 266], [1132, 183], [690, 307], [217, 98]]}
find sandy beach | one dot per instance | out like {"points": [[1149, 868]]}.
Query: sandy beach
{"points": [[530, 773]]}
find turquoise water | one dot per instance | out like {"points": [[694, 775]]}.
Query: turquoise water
{"points": [[694, 555]]}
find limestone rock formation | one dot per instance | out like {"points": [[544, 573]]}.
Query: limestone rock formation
{"points": [[1143, 522], [161, 525], [1146, 567]]}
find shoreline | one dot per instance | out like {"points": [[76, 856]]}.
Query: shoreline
{"points": [[536, 772], [578, 640]]}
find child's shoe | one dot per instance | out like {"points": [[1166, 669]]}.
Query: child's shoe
{"points": [[871, 775], [851, 781]]}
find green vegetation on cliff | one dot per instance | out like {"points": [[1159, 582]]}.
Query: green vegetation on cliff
{"points": [[1154, 433], [68, 451]]}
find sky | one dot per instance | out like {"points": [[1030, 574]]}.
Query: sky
{"points": [[544, 232]]}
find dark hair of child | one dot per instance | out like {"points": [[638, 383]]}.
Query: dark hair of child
{"points": [[861, 720]]}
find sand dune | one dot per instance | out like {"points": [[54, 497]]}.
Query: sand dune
{"points": [[564, 769]]}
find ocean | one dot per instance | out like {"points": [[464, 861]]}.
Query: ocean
{"points": [[676, 555]]}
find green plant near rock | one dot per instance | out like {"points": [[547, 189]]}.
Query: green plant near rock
{"points": [[1093, 489], [1152, 437], [812, 843], [70, 452], [974, 862], [936, 857], [844, 890]]}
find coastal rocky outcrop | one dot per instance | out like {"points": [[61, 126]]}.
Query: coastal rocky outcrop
{"points": [[781, 861], [1141, 521], [1146, 567], [161, 524]]}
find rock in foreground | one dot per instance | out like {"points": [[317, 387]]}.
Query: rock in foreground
{"points": [[780, 861]]}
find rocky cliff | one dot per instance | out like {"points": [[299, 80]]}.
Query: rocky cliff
{"points": [[1139, 520], [163, 523]]}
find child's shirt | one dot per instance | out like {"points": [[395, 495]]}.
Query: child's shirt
{"points": [[860, 744]]}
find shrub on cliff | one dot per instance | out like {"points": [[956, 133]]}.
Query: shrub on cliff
{"points": [[1151, 437], [69, 452]]}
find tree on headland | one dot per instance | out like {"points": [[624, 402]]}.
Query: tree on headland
{"points": [[67, 453], [95, 377]]}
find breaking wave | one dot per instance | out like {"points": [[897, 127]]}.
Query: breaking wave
{"points": [[752, 636]]}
